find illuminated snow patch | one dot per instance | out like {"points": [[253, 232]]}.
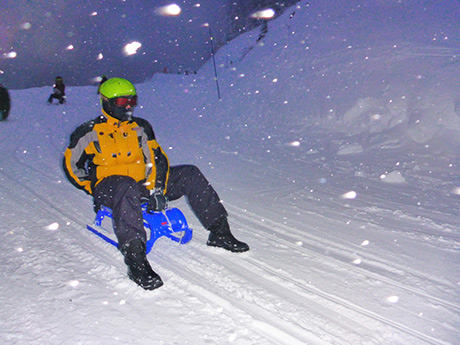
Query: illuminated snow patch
{"points": [[73, 283], [26, 26], [349, 149], [456, 191], [169, 10], [393, 299], [10, 55], [96, 79], [131, 48], [264, 14], [349, 195], [52, 227], [393, 177], [357, 261]]}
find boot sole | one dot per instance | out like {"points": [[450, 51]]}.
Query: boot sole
{"points": [[149, 285], [153, 286], [229, 248]]}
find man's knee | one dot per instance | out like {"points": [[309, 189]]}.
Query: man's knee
{"points": [[188, 169], [193, 171], [112, 188], [185, 174], [125, 185]]}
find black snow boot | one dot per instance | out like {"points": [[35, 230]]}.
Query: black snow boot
{"points": [[139, 269], [221, 236]]}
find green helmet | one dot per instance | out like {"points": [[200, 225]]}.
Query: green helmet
{"points": [[112, 89], [116, 87]]}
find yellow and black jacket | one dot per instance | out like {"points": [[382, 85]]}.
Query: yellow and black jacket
{"points": [[105, 146]]}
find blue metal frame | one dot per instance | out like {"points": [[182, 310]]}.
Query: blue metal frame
{"points": [[170, 223]]}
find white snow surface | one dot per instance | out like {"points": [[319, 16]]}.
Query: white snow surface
{"points": [[334, 147]]}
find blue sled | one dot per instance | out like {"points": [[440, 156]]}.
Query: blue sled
{"points": [[170, 223]]}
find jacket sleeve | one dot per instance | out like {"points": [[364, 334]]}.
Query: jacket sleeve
{"points": [[157, 160], [75, 160]]}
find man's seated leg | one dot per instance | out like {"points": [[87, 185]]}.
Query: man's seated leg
{"points": [[189, 181], [122, 194]]}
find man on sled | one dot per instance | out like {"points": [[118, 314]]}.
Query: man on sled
{"points": [[116, 159]]}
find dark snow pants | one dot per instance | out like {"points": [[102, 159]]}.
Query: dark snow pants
{"points": [[123, 195], [59, 97]]}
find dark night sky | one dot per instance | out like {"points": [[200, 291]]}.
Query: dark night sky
{"points": [[81, 40]]}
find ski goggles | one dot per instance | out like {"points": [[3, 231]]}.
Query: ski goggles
{"points": [[124, 101]]}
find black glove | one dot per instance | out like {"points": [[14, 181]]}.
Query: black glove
{"points": [[156, 202]]}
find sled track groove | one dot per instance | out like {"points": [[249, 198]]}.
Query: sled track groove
{"points": [[264, 322], [308, 289], [23, 193], [274, 227], [305, 287], [299, 292]]}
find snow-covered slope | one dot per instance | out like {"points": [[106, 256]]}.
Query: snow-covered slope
{"points": [[334, 148]]}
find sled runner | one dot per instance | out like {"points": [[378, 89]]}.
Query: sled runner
{"points": [[170, 223]]}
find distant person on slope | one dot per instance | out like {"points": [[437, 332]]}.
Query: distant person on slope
{"points": [[117, 160], [103, 80], [5, 102], [58, 91]]}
